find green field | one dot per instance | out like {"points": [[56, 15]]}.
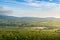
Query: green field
{"points": [[28, 33], [29, 28]]}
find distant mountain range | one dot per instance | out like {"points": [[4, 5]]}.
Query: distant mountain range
{"points": [[11, 21], [28, 18]]}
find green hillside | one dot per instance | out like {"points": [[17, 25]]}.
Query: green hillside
{"points": [[10, 21]]}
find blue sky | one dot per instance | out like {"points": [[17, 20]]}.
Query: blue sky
{"points": [[30, 8]]}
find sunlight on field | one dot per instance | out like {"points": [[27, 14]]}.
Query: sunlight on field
{"points": [[29, 33]]}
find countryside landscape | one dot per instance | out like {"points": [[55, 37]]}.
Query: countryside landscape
{"points": [[29, 28], [29, 19]]}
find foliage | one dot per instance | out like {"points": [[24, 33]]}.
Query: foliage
{"points": [[28, 34]]}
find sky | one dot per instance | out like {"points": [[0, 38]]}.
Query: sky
{"points": [[30, 8]]}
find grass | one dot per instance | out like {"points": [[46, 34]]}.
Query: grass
{"points": [[28, 34]]}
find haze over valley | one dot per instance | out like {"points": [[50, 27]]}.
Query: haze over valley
{"points": [[29, 19]]}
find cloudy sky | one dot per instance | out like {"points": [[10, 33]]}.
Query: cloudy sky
{"points": [[30, 8]]}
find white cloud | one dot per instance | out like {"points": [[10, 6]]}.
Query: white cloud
{"points": [[33, 4], [43, 9], [33, 13], [5, 11]]}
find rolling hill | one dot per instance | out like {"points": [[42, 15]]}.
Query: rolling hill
{"points": [[28, 18], [11, 21]]}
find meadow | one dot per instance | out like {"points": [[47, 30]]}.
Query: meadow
{"points": [[29, 28], [28, 33]]}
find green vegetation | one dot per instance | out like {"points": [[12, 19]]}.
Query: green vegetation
{"points": [[28, 34], [28, 28], [9, 21]]}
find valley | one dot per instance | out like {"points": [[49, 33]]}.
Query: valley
{"points": [[29, 28]]}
